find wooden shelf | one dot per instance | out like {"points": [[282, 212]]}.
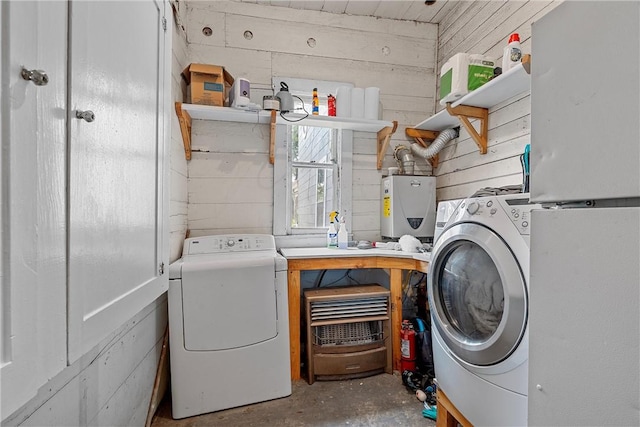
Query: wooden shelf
{"points": [[475, 105], [188, 112]]}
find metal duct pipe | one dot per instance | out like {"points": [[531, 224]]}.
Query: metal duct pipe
{"points": [[437, 144], [405, 159]]}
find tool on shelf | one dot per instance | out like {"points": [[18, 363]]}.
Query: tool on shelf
{"points": [[524, 161]]}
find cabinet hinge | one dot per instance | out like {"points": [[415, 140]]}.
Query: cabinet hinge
{"points": [[164, 23], [161, 268]]}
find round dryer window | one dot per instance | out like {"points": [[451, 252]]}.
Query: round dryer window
{"points": [[478, 294], [472, 292]]}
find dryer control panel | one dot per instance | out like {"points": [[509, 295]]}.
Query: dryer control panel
{"points": [[517, 207], [519, 211], [229, 243]]}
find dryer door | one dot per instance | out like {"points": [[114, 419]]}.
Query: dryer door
{"points": [[478, 294], [228, 302]]}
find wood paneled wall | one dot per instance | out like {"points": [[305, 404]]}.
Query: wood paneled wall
{"points": [[483, 27], [178, 180], [229, 177], [230, 181]]}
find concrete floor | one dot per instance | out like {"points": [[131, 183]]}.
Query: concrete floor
{"points": [[379, 400]]}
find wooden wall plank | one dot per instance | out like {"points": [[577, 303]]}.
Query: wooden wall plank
{"points": [[391, 79], [462, 170], [198, 20], [292, 38], [461, 191], [226, 137], [236, 216], [230, 190], [225, 165], [251, 64], [450, 44], [459, 16]]}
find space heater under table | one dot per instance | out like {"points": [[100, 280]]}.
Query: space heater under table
{"points": [[348, 332]]}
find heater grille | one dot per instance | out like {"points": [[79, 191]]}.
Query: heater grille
{"points": [[348, 333], [348, 330], [349, 308]]}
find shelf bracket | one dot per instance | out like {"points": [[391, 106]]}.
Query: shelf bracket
{"points": [[464, 112], [384, 135], [185, 128], [421, 137]]}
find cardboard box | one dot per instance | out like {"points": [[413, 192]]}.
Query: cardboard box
{"points": [[209, 84]]}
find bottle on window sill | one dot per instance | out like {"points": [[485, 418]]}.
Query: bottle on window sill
{"points": [[332, 233], [343, 236]]}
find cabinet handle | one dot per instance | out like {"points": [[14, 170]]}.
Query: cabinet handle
{"points": [[38, 77], [87, 116]]}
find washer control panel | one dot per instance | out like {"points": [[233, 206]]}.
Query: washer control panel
{"points": [[229, 243], [518, 209]]}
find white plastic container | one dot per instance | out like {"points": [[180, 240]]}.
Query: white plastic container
{"points": [[512, 54], [343, 236], [463, 73], [240, 93]]}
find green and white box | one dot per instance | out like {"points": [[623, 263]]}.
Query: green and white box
{"points": [[463, 73]]}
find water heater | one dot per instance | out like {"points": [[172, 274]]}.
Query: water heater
{"points": [[408, 206]]}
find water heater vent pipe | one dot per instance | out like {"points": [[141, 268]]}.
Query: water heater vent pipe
{"points": [[404, 159], [437, 144]]}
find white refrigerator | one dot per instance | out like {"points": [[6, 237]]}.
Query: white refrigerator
{"points": [[584, 350]]}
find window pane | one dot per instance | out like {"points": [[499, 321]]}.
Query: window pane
{"points": [[312, 197], [312, 144]]}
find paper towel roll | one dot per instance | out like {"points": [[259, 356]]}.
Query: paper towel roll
{"points": [[357, 103], [371, 103], [343, 101]]}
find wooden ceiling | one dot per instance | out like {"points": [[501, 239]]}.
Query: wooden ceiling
{"points": [[408, 10]]}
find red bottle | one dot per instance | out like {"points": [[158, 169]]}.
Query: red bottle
{"points": [[331, 104], [408, 347]]}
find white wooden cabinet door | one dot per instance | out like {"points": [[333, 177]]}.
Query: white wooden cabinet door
{"points": [[33, 233], [118, 204]]}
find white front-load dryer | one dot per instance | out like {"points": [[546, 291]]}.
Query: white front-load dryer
{"points": [[478, 295], [228, 324]]}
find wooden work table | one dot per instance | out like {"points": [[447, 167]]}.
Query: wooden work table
{"points": [[299, 259]]}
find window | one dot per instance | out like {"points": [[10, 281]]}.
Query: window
{"points": [[312, 172], [314, 167]]}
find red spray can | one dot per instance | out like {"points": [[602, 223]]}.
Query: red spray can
{"points": [[408, 347]]}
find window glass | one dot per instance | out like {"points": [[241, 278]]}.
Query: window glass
{"points": [[313, 176]]}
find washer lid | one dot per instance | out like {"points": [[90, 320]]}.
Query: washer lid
{"points": [[228, 302]]}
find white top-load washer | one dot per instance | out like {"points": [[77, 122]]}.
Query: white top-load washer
{"points": [[478, 294], [228, 324]]}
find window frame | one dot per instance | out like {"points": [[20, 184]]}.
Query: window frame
{"points": [[283, 164]]}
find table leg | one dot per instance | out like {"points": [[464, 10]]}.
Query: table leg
{"points": [[294, 322], [395, 285]]}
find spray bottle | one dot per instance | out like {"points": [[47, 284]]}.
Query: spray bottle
{"points": [[332, 233]]}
